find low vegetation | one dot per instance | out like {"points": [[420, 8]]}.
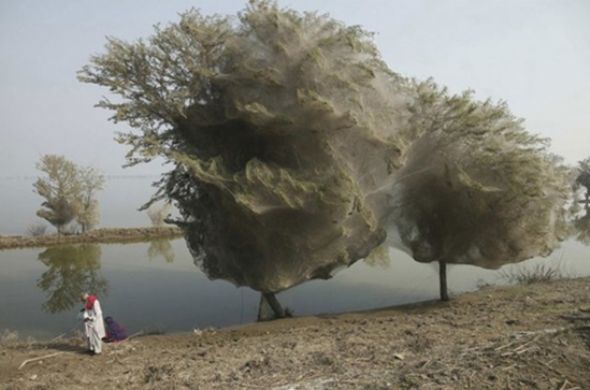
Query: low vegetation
{"points": [[537, 274], [105, 236], [36, 229]]}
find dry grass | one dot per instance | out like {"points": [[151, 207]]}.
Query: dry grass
{"points": [[537, 274], [105, 236], [8, 337]]}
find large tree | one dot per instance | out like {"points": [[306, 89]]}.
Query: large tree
{"points": [[477, 188], [287, 133], [281, 127]]}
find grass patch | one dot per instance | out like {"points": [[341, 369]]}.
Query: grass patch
{"points": [[537, 274]]}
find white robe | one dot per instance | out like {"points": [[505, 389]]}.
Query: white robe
{"points": [[94, 327]]}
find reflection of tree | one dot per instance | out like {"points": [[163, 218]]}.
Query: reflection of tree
{"points": [[73, 269], [161, 248], [582, 228]]}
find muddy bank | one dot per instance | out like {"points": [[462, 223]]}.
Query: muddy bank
{"points": [[533, 336], [97, 236]]}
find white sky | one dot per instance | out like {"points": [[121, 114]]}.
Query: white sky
{"points": [[533, 54]]}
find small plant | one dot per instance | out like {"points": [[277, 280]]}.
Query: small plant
{"points": [[537, 274], [8, 337], [37, 229]]}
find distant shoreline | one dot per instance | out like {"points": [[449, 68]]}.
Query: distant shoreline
{"points": [[96, 236]]}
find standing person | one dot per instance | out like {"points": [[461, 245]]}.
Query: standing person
{"points": [[93, 322]]}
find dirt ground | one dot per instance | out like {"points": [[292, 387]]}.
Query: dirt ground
{"points": [[529, 336]]}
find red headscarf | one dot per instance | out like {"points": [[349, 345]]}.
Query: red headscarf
{"points": [[90, 302]]}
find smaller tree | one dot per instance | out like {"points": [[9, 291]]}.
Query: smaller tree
{"points": [[91, 181], [158, 213], [60, 188], [69, 193], [36, 229]]}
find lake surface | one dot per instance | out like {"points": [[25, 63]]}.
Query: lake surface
{"points": [[156, 286]]}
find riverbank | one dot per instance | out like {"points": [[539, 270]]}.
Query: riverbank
{"points": [[96, 236], [525, 336]]}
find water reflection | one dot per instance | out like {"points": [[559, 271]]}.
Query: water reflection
{"points": [[73, 269], [161, 248]]}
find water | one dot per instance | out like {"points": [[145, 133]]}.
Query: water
{"points": [[156, 286]]}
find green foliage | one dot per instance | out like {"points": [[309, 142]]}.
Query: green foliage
{"points": [[68, 191], [91, 181], [296, 150], [157, 213], [260, 117], [477, 188], [60, 188]]}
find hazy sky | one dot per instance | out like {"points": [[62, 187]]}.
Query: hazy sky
{"points": [[533, 54]]}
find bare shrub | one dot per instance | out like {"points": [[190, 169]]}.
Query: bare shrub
{"points": [[537, 274], [8, 337], [36, 229]]}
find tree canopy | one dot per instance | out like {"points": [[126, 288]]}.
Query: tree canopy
{"points": [[477, 188], [69, 192]]}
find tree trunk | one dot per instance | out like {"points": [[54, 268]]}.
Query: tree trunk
{"points": [[269, 300], [442, 275]]}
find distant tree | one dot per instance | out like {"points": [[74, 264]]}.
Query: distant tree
{"points": [[91, 181], [158, 213], [69, 193], [36, 229], [61, 190]]}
